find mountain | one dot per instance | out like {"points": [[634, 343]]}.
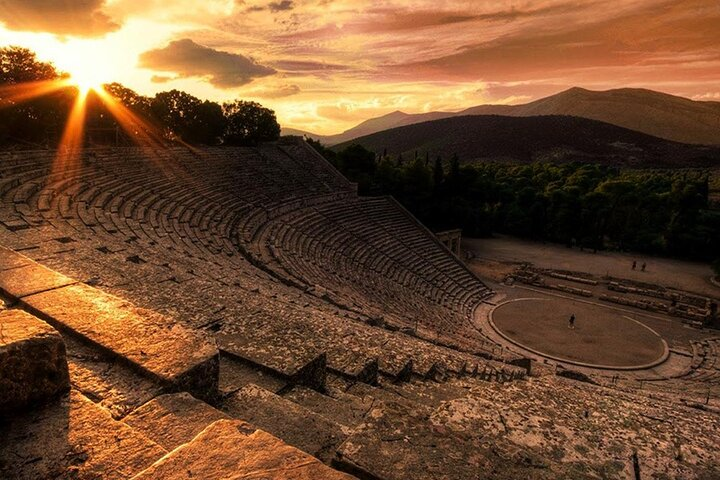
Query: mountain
{"points": [[654, 113], [384, 122], [541, 138]]}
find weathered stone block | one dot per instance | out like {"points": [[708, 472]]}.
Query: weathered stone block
{"points": [[30, 279], [228, 449], [33, 366], [174, 419], [177, 356], [73, 439], [10, 259], [294, 424]]}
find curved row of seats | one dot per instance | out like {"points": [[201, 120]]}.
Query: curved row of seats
{"points": [[181, 222], [354, 245]]}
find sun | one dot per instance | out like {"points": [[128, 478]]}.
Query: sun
{"points": [[87, 77]]}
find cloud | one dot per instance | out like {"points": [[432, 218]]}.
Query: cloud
{"points": [[308, 66], [83, 18], [281, 6], [272, 92], [162, 78], [186, 58]]}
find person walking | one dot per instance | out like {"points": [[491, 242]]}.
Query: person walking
{"points": [[642, 267], [571, 322], [634, 266]]}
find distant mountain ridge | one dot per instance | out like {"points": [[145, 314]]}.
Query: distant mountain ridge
{"points": [[654, 113], [551, 138]]}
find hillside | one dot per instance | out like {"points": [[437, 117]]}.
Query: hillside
{"points": [[541, 138], [654, 113]]}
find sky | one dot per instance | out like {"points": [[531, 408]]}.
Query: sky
{"points": [[326, 65]]}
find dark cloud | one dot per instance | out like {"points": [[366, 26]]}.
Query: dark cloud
{"points": [[186, 58], [308, 66], [62, 17], [384, 19], [281, 6], [654, 35], [161, 78], [280, 91]]}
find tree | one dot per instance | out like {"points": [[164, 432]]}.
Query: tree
{"points": [[438, 173], [175, 111], [249, 123], [129, 98], [185, 116], [208, 125], [34, 109], [20, 65], [329, 155]]}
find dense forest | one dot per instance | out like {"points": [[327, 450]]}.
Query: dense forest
{"points": [[592, 206], [36, 100]]}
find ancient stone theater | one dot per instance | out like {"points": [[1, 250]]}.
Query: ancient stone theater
{"points": [[238, 312]]}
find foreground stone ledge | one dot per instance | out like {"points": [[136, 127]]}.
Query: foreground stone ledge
{"points": [[10, 259], [73, 438], [174, 419], [294, 424], [29, 279], [227, 449], [181, 358], [33, 364]]}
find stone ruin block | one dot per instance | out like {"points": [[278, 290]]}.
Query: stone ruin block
{"points": [[33, 365]]}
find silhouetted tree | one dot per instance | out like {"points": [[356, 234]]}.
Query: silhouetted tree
{"points": [[438, 173], [249, 123], [20, 65], [137, 103], [32, 119], [330, 155]]}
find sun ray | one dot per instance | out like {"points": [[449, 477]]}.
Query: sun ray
{"points": [[71, 144], [11, 95]]}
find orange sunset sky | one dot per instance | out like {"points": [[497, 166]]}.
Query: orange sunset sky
{"points": [[326, 65]]}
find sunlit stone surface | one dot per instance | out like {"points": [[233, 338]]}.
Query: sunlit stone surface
{"points": [[33, 367]]}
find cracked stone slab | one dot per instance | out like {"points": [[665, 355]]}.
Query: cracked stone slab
{"points": [[228, 450], [174, 419], [150, 342], [33, 364], [73, 438], [29, 279], [294, 424], [107, 380], [10, 259]]}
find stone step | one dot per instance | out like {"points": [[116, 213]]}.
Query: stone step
{"points": [[172, 420], [73, 438], [33, 363], [235, 374], [343, 409], [397, 443], [29, 279], [106, 380], [431, 393], [154, 344], [172, 354], [385, 395], [298, 364], [293, 423], [229, 449]]}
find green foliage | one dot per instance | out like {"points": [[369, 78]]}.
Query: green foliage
{"points": [[34, 121], [588, 205], [20, 65], [173, 115], [249, 123]]}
